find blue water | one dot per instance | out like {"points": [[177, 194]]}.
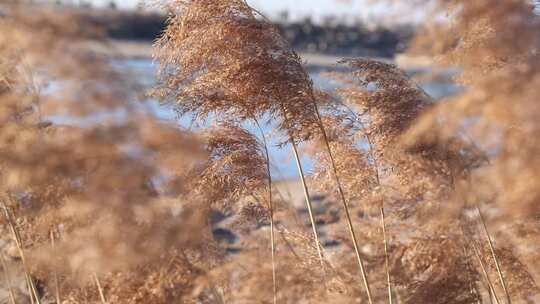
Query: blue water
{"points": [[282, 161]]}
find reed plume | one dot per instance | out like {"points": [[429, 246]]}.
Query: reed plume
{"points": [[495, 109], [246, 71], [65, 167], [106, 203], [496, 124], [244, 78], [236, 164]]}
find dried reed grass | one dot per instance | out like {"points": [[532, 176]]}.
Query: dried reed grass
{"points": [[123, 207]]}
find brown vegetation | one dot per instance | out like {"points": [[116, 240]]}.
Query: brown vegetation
{"points": [[428, 201]]}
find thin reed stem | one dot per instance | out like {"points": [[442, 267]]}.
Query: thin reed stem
{"points": [[386, 256], [271, 210], [494, 255], [288, 244], [472, 241], [308, 202], [100, 289], [492, 251], [352, 233], [7, 277], [383, 223], [34, 298], [492, 293], [491, 296], [55, 273], [307, 196]]}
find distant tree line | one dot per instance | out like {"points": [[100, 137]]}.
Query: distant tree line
{"points": [[305, 35]]}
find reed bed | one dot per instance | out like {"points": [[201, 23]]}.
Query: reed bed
{"points": [[425, 201]]}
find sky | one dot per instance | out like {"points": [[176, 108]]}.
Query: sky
{"points": [[317, 9]]}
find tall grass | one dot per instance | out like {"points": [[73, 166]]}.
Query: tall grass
{"points": [[105, 203]]}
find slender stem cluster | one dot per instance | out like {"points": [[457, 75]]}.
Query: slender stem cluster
{"points": [[32, 289], [271, 211]]}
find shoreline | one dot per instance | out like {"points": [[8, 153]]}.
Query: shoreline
{"points": [[132, 49]]}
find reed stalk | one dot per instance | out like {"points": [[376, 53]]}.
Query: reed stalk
{"points": [[288, 244], [381, 208], [32, 290], [7, 277], [308, 203], [494, 255], [492, 293], [352, 233], [307, 196], [271, 210], [55, 273], [100, 289], [386, 257]]}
